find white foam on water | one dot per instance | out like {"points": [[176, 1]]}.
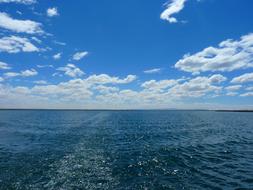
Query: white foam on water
{"points": [[85, 167]]}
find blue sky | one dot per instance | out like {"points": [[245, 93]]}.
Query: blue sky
{"points": [[126, 54]]}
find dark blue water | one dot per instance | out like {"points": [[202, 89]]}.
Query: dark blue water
{"points": [[126, 150]]}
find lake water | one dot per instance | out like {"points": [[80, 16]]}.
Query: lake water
{"points": [[125, 150]]}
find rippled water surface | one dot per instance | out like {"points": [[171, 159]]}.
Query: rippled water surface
{"points": [[126, 150]]}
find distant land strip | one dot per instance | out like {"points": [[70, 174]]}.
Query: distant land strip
{"points": [[233, 110]]}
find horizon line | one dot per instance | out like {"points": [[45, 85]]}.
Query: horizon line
{"points": [[153, 109]]}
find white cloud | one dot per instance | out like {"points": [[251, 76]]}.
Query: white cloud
{"points": [[249, 88], [19, 1], [11, 74], [164, 93], [36, 39], [57, 56], [79, 55], [173, 7], [73, 90], [40, 82], [1, 79], [28, 73], [247, 77], [45, 66], [98, 91], [197, 87], [106, 79], [59, 43], [51, 12], [81, 88], [15, 44], [151, 71], [230, 55], [71, 70], [25, 73], [4, 66], [248, 94], [78, 92], [19, 26], [232, 94], [154, 85], [19, 12], [233, 87], [105, 89], [57, 74], [217, 78]]}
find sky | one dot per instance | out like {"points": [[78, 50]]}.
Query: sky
{"points": [[134, 54]]}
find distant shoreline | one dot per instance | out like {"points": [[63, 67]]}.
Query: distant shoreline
{"points": [[233, 110]]}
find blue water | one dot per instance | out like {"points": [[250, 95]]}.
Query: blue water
{"points": [[126, 150]]}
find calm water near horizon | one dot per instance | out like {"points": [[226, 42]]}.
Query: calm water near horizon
{"points": [[125, 150]]}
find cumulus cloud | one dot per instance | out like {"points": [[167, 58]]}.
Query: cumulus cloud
{"points": [[233, 87], [78, 87], [232, 93], [28, 73], [57, 56], [172, 7], [11, 74], [4, 66], [79, 55], [151, 71], [163, 93], [75, 90], [40, 82], [72, 90], [249, 88], [247, 77], [71, 70], [19, 26], [25, 73], [98, 91], [105, 79], [198, 87], [248, 94], [15, 44], [82, 88], [51, 12], [106, 89], [230, 55], [217, 78], [154, 85]]}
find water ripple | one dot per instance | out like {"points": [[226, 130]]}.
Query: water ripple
{"points": [[126, 150]]}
